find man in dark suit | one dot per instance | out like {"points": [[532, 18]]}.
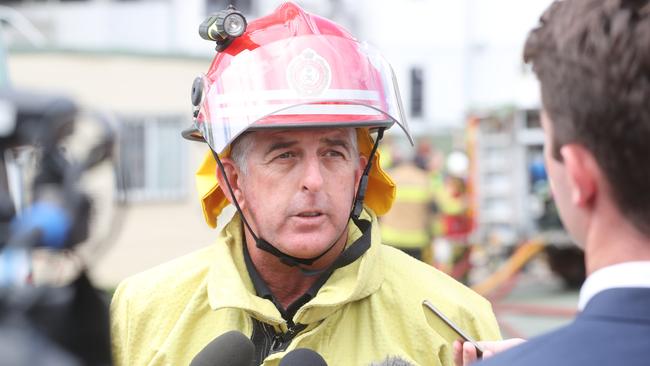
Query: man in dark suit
{"points": [[592, 58]]}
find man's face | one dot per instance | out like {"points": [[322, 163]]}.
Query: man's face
{"points": [[299, 187], [560, 186]]}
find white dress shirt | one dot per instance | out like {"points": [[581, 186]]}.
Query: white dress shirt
{"points": [[628, 274]]}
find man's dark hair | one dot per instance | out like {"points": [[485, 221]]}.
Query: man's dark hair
{"points": [[592, 58]]}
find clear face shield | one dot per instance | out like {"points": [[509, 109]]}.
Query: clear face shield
{"points": [[300, 82]]}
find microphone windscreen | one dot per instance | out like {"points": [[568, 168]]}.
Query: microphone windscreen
{"points": [[303, 357], [232, 349]]}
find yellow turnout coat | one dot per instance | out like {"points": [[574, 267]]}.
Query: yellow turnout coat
{"points": [[365, 312]]}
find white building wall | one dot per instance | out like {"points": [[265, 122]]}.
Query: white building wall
{"points": [[498, 30], [471, 51], [185, 17], [427, 34], [135, 26]]}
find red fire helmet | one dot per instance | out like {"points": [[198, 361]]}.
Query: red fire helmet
{"points": [[294, 69]]}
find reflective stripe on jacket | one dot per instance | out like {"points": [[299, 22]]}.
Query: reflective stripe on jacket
{"points": [[365, 312], [408, 224]]}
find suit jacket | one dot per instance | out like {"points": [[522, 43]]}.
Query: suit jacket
{"points": [[613, 329]]}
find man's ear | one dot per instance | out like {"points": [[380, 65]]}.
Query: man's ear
{"points": [[233, 176], [583, 174]]}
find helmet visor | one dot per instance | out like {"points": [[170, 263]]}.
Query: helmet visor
{"points": [[305, 81]]}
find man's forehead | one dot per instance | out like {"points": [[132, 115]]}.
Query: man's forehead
{"points": [[304, 134]]}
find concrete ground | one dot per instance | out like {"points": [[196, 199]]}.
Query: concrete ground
{"points": [[535, 305]]}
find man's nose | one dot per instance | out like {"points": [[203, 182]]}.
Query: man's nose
{"points": [[312, 179]]}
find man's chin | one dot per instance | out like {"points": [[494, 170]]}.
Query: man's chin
{"points": [[307, 248]]}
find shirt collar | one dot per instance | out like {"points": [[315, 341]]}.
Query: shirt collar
{"points": [[262, 289], [628, 274]]}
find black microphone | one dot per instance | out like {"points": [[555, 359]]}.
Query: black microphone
{"points": [[303, 357], [229, 349]]}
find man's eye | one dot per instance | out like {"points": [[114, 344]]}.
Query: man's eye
{"points": [[334, 153], [286, 155]]}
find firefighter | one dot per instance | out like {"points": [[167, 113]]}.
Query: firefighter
{"points": [[407, 226], [287, 109], [452, 223]]}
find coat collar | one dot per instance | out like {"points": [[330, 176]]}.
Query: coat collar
{"points": [[631, 303], [230, 286]]}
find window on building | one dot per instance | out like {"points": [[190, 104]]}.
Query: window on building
{"points": [[213, 6], [533, 119], [152, 158], [417, 92]]}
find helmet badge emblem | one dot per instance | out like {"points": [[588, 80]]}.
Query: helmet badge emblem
{"points": [[309, 74]]}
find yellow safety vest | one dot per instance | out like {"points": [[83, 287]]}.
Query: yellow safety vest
{"points": [[408, 224]]}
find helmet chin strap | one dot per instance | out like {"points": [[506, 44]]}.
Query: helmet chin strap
{"points": [[290, 260], [357, 206]]}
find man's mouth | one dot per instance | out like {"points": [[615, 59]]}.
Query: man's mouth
{"points": [[309, 214]]}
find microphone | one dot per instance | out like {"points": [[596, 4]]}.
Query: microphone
{"points": [[229, 349], [303, 357]]}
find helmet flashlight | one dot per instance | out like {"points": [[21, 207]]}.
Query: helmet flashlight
{"points": [[223, 26]]}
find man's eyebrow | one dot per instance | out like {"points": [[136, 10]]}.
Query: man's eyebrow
{"points": [[336, 142], [280, 145]]}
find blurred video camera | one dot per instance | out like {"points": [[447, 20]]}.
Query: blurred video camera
{"points": [[42, 323]]}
